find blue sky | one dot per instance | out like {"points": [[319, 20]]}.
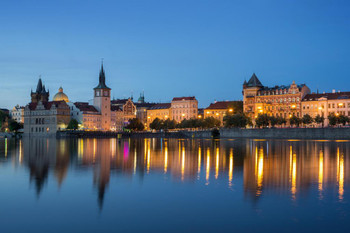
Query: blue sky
{"points": [[171, 48]]}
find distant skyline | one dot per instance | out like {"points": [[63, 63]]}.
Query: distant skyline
{"points": [[171, 48]]}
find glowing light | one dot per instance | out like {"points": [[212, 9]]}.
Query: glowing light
{"points": [[80, 148], [259, 107], [320, 108], [320, 172], [230, 169], [340, 104], [293, 106], [208, 112], [217, 114], [135, 161], [148, 156], [340, 174], [217, 163], [183, 164], [183, 114], [230, 110], [337, 114], [94, 149], [261, 110], [5, 147], [199, 116], [199, 160], [294, 175], [259, 169], [165, 157], [208, 166]]}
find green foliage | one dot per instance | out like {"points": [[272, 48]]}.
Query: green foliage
{"points": [[209, 122], [14, 126], [333, 119], [238, 120], [319, 119], [262, 120], [307, 119], [3, 118], [281, 121], [343, 119], [135, 124], [294, 120], [273, 121], [73, 124], [156, 124]]}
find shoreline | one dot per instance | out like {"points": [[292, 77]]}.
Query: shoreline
{"points": [[233, 133]]}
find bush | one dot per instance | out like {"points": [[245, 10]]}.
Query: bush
{"points": [[262, 120], [238, 120], [294, 120], [135, 124]]}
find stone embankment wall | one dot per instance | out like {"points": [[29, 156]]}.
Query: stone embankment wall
{"points": [[6, 135], [277, 133]]}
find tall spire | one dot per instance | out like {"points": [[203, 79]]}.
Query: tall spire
{"points": [[102, 79], [39, 87]]}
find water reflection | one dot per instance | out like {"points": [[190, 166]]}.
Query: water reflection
{"points": [[265, 166]]}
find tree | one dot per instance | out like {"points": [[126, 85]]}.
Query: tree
{"points": [[73, 124], [15, 126], [294, 120], [211, 122], [319, 119], [238, 120], [262, 120], [169, 124], [156, 124], [273, 121], [343, 120], [307, 119], [135, 124], [333, 119], [281, 121], [3, 118]]}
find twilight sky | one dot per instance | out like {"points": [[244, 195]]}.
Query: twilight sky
{"points": [[171, 48]]}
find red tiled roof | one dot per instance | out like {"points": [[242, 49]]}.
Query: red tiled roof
{"points": [[184, 98], [161, 106], [329, 96], [47, 105], [85, 107], [221, 105]]}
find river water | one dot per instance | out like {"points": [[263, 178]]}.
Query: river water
{"points": [[174, 185]]}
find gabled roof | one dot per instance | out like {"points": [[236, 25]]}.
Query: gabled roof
{"points": [[184, 98], [254, 82], [161, 106]]}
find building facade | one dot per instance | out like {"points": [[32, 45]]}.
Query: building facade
{"points": [[161, 111], [43, 117], [280, 101], [184, 108], [337, 103], [17, 114], [219, 109]]}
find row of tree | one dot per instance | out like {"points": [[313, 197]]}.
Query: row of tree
{"points": [[209, 122]]}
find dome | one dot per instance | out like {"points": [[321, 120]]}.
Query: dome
{"points": [[60, 96]]}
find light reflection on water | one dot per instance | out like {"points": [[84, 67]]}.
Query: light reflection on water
{"points": [[256, 170]]}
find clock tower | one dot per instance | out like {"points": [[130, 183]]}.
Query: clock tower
{"points": [[102, 101]]}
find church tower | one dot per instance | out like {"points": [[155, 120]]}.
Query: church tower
{"points": [[40, 94], [102, 100]]}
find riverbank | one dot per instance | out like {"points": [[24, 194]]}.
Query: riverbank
{"points": [[276, 133]]}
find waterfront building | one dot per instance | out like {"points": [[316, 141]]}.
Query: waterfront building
{"points": [[280, 101], [43, 117], [161, 111], [184, 108], [219, 109], [102, 101], [87, 115], [17, 114], [337, 103]]}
